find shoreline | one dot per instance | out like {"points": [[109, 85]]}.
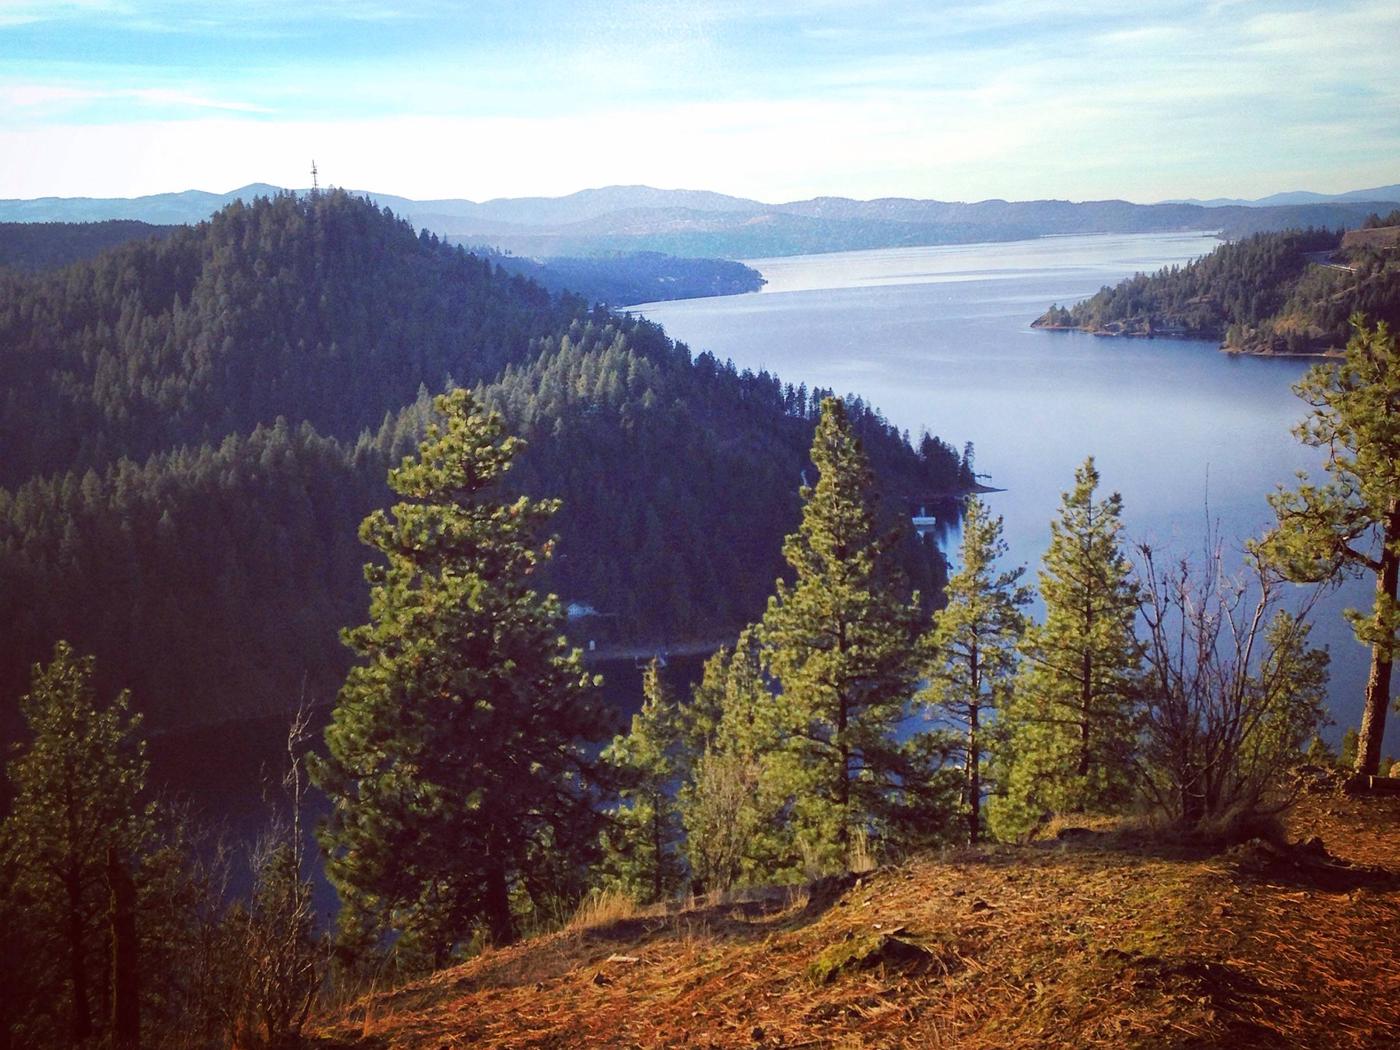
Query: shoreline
{"points": [[1331, 352]]}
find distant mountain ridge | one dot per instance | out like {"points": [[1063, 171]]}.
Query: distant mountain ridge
{"points": [[1382, 194], [700, 223]]}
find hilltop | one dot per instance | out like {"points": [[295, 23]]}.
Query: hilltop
{"points": [[1092, 939]]}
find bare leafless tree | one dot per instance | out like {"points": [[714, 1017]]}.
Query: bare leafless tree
{"points": [[282, 957], [1233, 689]]}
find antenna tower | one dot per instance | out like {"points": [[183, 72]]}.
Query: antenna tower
{"points": [[314, 184]]}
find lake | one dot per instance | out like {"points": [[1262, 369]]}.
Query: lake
{"points": [[939, 339]]}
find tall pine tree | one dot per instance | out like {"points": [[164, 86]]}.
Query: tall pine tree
{"points": [[77, 788], [840, 642], [642, 840], [1070, 725], [734, 803], [972, 650], [458, 764], [1350, 524]]}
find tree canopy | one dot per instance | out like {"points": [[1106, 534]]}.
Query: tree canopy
{"points": [[457, 759], [1349, 523]]}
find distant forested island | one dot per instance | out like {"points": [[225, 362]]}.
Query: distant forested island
{"points": [[194, 425], [1290, 292]]}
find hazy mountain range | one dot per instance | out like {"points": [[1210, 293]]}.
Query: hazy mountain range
{"points": [[1378, 193], [700, 223]]}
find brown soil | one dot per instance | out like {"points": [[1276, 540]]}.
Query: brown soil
{"points": [[1090, 940]]}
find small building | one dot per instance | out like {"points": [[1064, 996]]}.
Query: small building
{"points": [[923, 518]]}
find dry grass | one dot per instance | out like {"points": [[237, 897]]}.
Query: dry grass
{"points": [[1101, 941], [602, 907]]}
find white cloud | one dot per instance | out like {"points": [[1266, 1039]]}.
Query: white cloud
{"points": [[998, 98], [50, 98]]}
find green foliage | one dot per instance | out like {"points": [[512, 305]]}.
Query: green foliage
{"points": [[1293, 714], [457, 765], [642, 846], [1349, 524], [734, 803], [1347, 758], [1072, 721], [228, 551], [1261, 293], [50, 245], [971, 651], [839, 640], [194, 428], [77, 787], [635, 277], [1319, 754], [1376, 221], [321, 308]]}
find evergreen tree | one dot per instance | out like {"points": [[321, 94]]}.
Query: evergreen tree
{"points": [[840, 642], [77, 788], [972, 649], [643, 844], [1350, 524], [457, 762], [734, 802], [1071, 722]]}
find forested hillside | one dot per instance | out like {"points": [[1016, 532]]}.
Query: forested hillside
{"points": [[1289, 292], [324, 310], [37, 246], [194, 428], [626, 280]]}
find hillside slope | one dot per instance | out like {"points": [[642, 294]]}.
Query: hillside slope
{"points": [[35, 246], [1291, 292], [192, 431], [1094, 941]]}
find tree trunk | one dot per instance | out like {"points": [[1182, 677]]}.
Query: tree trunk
{"points": [[126, 1002], [843, 786], [1086, 699], [500, 922], [1368, 745], [656, 848], [974, 776], [77, 968]]}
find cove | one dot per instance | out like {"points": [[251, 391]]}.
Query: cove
{"points": [[939, 339]]}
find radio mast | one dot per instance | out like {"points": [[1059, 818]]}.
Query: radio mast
{"points": [[315, 186]]}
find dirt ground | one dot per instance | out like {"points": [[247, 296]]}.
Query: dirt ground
{"points": [[1096, 939]]}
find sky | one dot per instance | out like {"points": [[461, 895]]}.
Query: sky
{"points": [[1019, 99]]}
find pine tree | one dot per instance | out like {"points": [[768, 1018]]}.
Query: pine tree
{"points": [[77, 790], [734, 802], [457, 765], [972, 649], [840, 642], [1071, 722], [1350, 524], [643, 842]]}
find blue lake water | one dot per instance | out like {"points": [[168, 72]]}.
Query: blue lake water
{"points": [[939, 339]]}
